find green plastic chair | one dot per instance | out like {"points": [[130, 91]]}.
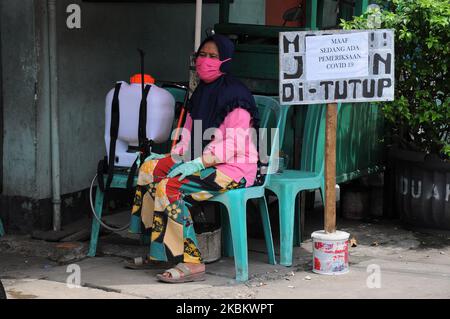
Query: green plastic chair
{"points": [[2, 230], [179, 95], [234, 227], [234, 221], [289, 183]]}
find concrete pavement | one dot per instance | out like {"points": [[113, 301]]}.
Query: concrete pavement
{"points": [[409, 264]]}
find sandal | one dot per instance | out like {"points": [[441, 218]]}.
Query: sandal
{"points": [[176, 277], [145, 263]]}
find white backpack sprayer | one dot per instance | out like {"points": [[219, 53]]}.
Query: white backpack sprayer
{"points": [[137, 115]]}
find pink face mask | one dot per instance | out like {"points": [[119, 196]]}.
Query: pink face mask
{"points": [[208, 69]]}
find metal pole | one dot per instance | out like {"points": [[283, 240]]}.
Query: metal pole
{"points": [[55, 165], [224, 11], [311, 14], [360, 7], [198, 24]]}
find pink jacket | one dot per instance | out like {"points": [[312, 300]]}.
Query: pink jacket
{"points": [[233, 144]]}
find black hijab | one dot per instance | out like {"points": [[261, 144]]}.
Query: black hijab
{"points": [[211, 102]]}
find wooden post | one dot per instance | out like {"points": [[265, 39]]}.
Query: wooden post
{"points": [[330, 168]]}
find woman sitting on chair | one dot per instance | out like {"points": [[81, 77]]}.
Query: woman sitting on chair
{"points": [[167, 186]]}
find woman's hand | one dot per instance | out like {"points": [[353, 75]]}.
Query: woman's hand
{"points": [[187, 168]]}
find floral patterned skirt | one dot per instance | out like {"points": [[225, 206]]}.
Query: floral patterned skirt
{"points": [[161, 207]]}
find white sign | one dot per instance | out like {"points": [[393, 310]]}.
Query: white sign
{"points": [[337, 56], [336, 66]]}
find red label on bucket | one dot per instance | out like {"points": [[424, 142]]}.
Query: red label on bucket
{"points": [[316, 263]]}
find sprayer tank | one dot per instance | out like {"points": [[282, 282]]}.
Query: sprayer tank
{"points": [[160, 115]]}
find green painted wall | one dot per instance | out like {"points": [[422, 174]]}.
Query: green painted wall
{"points": [[91, 59], [103, 51], [20, 108]]}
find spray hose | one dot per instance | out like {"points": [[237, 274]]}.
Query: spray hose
{"points": [[114, 229]]}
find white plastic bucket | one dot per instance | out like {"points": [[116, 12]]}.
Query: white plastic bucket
{"points": [[330, 252], [210, 245]]}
